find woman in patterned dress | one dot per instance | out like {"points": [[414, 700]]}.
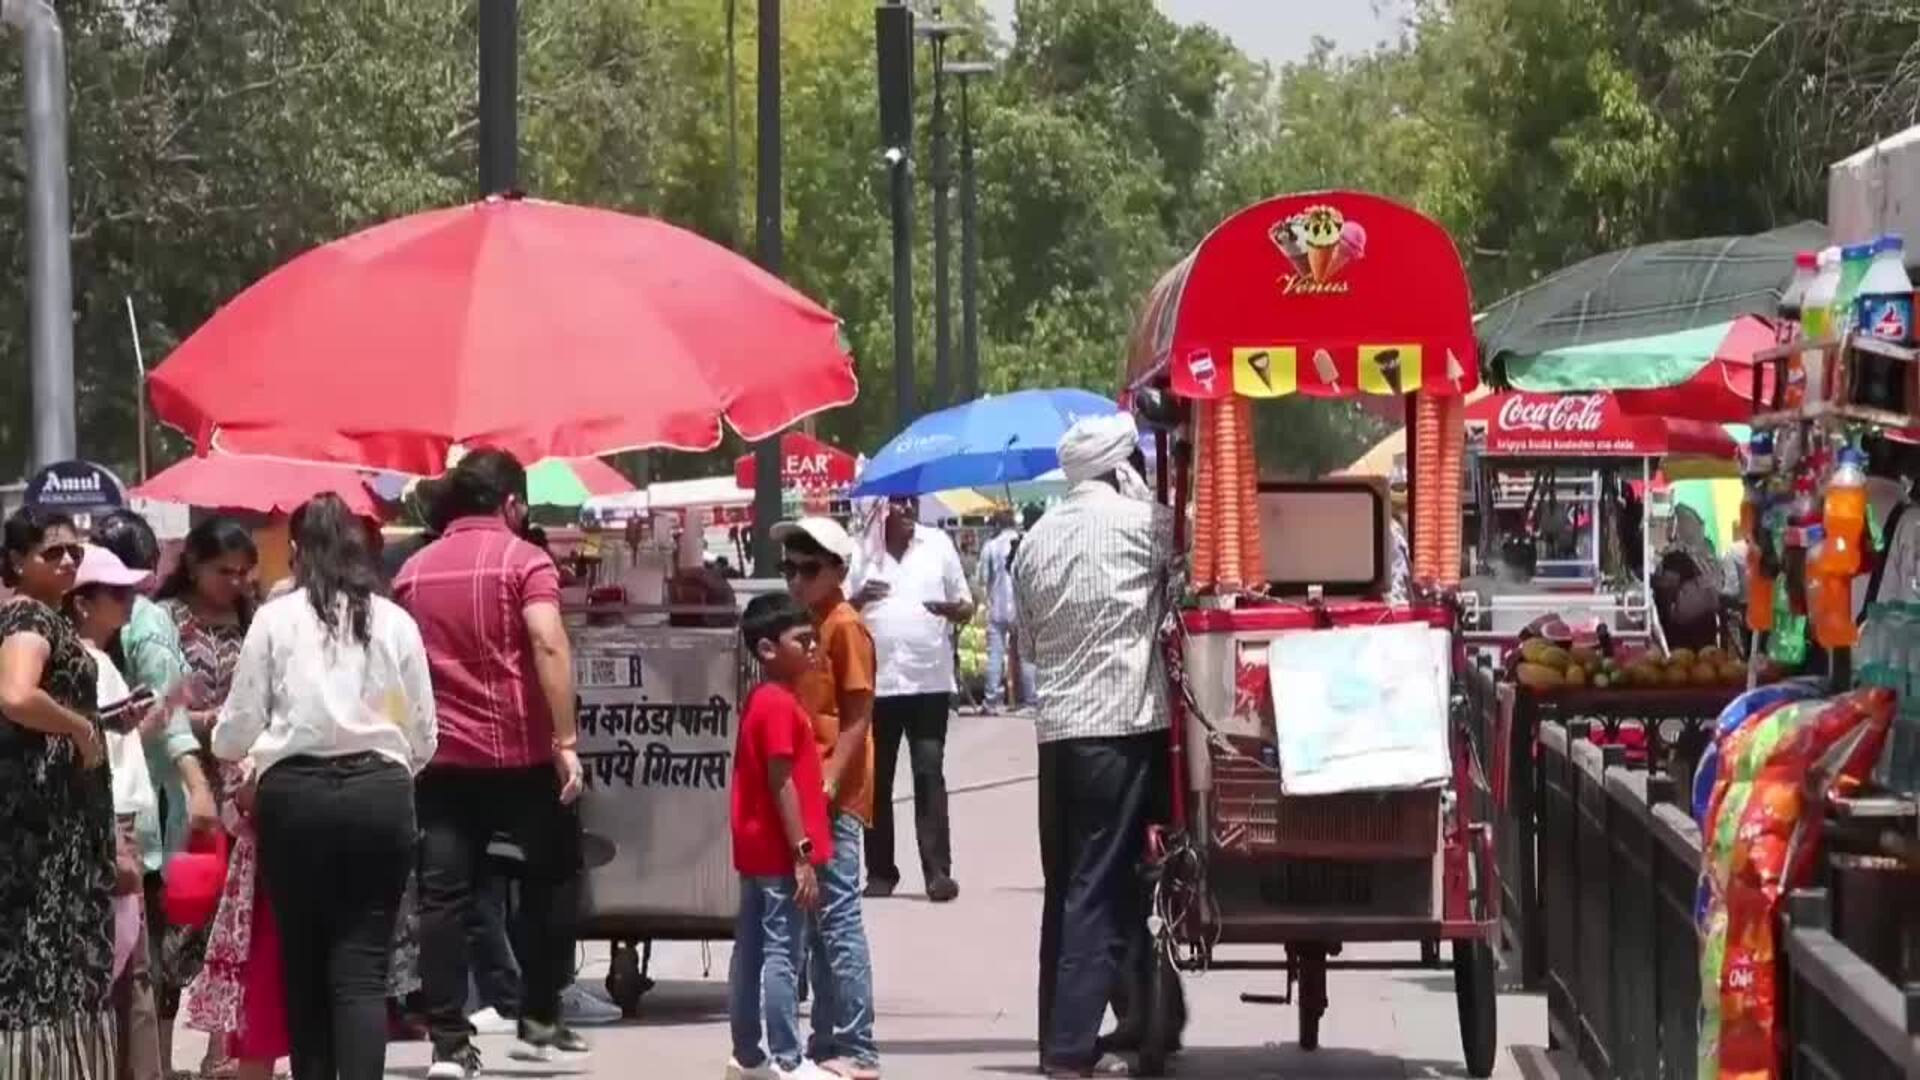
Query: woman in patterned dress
{"points": [[210, 597], [56, 820]]}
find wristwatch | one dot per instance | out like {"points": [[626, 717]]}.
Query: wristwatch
{"points": [[803, 851]]}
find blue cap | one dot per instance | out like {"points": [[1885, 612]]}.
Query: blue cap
{"points": [[1857, 251], [1889, 242], [1855, 456]]}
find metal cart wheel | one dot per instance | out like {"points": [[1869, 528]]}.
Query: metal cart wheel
{"points": [[1310, 971], [627, 981], [1474, 993], [1166, 1015]]}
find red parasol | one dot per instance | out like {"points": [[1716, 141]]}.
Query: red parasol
{"points": [[261, 485], [1586, 426], [543, 329], [806, 464], [1328, 294], [1721, 392]]}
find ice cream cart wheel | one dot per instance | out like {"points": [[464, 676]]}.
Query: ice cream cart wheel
{"points": [[1310, 969], [1473, 991], [1166, 1015]]}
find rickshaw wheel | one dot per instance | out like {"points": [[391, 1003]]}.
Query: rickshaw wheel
{"points": [[1165, 1016], [1473, 991], [1310, 971]]}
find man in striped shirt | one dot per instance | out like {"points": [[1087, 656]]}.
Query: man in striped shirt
{"points": [[1093, 580]]}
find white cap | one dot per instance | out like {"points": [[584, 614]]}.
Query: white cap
{"points": [[825, 531], [98, 566]]}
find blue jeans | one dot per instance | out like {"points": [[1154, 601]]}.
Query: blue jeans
{"points": [[841, 965], [768, 943], [999, 635]]}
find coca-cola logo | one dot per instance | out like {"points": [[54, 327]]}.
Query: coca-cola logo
{"points": [[1572, 413]]}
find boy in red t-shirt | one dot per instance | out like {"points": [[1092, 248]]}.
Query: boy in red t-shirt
{"points": [[780, 835]]}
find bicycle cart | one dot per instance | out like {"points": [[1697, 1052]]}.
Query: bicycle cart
{"points": [[1327, 294]]}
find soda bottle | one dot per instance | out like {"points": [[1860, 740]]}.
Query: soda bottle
{"points": [[1817, 324], [1793, 298], [1803, 518], [1843, 517], [1884, 304]]}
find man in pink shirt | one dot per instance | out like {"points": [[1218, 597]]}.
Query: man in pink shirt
{"points": [[488, 606]]}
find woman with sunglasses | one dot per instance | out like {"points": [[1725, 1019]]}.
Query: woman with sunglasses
{"points": [[210, 598], [56, 820], [100, 605]]}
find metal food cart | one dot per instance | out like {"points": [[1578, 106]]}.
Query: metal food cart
{"points": [[1328, 294]]}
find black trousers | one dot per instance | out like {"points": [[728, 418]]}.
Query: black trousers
{"points": [[460, 811], [336, 843], [1097, 797], [921, 720]]}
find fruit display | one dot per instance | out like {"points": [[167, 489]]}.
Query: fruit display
{"points": [[1543, 664], [973, 649]]}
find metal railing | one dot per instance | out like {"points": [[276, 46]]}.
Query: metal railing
{"points": [[1619, 865]]}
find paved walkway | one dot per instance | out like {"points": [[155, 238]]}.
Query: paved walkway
{"points": [[955, 983]]}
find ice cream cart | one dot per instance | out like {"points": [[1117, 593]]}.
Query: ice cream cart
{"points": [[1325, 769]]}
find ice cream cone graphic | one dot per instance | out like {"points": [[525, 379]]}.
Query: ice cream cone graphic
{"points": [[1286, 236], [1262, 365], [1321, 261], [1319, 229]]}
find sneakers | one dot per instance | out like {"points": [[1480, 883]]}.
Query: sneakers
{"points": [[579, 1005], [762, 1071], [461, 1064], [943, 890], [542, 1042], [488, 1021]]}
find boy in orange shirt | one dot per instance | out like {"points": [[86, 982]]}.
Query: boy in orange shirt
{"points": [[838, 691]]}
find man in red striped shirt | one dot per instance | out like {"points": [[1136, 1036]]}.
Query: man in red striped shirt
{"points": [[488, 606]]}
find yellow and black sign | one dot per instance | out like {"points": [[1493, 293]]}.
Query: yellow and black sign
{"points": [[1389, 369], [1265, 373]]}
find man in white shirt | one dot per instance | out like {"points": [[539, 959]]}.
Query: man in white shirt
{"points": [[1093, 579], [911, 590], [1003, 617]]}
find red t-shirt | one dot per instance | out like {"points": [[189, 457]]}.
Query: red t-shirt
{"points": [[773, 724], [469, 591]]}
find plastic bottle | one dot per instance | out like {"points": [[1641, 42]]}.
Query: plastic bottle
{"points": [[1843, 518], [1817, 324], [1805, 264], [1802, 521], [1759, 585], [1855, 259], [1884, 304]]}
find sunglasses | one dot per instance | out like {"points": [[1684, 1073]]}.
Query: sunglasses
{"points": [[54, 554], [793, 568]]}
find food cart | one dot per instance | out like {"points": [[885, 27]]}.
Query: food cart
{"points": [[1329, 294]]}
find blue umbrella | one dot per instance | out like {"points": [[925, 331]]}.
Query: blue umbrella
{"points": [[996, 440]]}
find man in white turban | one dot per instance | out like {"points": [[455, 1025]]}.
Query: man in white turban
{"points": [[1091, 582]]}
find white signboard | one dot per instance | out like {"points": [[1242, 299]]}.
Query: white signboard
{"points": [[658, 708]]}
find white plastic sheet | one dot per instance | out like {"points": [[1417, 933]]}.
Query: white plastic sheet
{"points": [[1361, 709]]}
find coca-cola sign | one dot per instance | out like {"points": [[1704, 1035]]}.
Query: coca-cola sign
{"points": [[1566, 414]]}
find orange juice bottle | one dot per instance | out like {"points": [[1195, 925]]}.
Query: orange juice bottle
{"points": [[1844, 517]]}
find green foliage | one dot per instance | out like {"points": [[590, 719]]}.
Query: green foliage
{"points": [[212, 141]]}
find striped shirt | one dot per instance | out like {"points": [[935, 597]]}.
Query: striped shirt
{"points": [[1093, 581]]}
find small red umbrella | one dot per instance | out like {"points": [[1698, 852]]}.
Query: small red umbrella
{"points": [[1721, 392], [262, 485], [806, 463], [539, 328]]}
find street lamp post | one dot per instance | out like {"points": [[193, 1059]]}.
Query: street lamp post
{"points": [[893, 40], [965, 72], [941, 177], [766, 453], [499, 94]]}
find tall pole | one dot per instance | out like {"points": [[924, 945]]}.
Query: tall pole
{"points": [[766, 453], [969, 258], [49, 228], [499, 94], [941, 178], [733, 127], [893, 24]]}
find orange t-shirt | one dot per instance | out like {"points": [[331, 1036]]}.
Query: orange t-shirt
{"points": [[844, 666]]}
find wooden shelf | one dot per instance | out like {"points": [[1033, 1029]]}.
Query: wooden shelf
{"points": [[1827, 410]]}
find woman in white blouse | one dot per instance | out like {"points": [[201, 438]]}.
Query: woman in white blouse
{"points": [[332, 703]]}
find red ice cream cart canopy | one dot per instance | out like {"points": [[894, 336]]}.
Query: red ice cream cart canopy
{"points": [[1326, 294]]}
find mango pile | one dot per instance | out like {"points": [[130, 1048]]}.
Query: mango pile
{"points": [[1543, 665]]}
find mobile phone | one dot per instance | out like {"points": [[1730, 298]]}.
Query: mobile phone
{"points": [[125, 715]]}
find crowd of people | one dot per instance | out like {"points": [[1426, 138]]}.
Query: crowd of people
{"points": [[272, 818]]}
